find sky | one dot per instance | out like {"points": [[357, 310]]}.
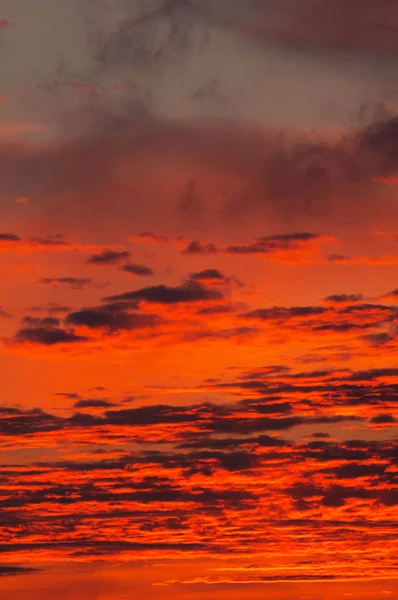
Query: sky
{"points": [[199, 309]]}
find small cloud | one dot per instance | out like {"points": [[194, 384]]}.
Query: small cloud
{"points": [[56, 239], [140, 270], [76, 283], [9, 237], [108, 257], [93, 403], [343, 298], [8, 570], [208, 275], [190, 291], [46, 332], [338, 258], [198, 247]]}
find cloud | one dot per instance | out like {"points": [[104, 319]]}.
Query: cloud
{"points": [[208, 275], [46, 332], [53, 243], [393, 295], [197, 247], [9, 237], [337, 317], [9, 570], [273, 243], [288, 247], [112, 319], [189, 291], [76, 283], [356, 471], [317, 177], [47, 337], [148, 36], [361, 28], [343, 298], [93, 403], [275, 175], [185, 468], [140, 270], [203, 309], [383, 419], [108, 257], [191, 472], [56, 239]]}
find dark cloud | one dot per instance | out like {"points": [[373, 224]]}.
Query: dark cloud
{"points": [[373, 374], [150, 415], [93, 403], [140, 270], [20, 422], [344, 298], [197, 247], [47, 336], [336, 495], [45, 331], [378, 339], [368, 388], [338, 258], [208, 275], [39, 321], [265, 441], [239, 460], [393, 293], [9, 237], [324, 178], [226, 419], [112, 318], [273, 243], [355, 471], [190, 291], [92, 548], [8, 570], [108, 257], [383, 419], [338, 317]]}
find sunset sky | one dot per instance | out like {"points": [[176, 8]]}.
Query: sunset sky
{"points": [[199, 299]]}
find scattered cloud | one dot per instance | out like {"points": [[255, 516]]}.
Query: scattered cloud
{"points": [[76, 283], [108, 257]]}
